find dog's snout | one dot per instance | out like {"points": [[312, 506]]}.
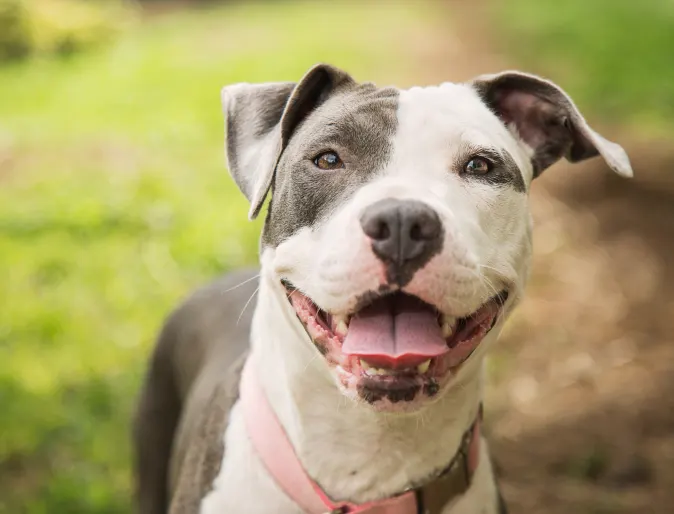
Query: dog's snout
{"points": [[404, 233]]}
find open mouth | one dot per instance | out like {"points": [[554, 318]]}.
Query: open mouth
{"points": [[397, 344]]}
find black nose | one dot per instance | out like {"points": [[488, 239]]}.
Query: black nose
{"points": [[405, 234]]}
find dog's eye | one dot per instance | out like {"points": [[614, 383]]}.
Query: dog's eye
{"points": [[328, 161], [478, 166]]}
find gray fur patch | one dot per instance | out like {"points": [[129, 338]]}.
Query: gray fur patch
{"points": [[358, 122]]}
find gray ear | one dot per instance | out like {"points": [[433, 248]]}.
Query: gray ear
{"points": [[546, 119], [260, 121]]}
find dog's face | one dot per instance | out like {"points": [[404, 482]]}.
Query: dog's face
{"points": [[399, 228]]}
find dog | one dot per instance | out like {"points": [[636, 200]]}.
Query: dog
{"points": [[396, 243]]}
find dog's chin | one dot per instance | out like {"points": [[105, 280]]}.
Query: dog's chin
{"points": [[395, 352]]}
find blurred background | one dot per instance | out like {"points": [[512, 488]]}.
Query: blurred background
{"points": [[115, 203]]}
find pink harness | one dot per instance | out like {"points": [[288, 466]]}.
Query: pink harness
{"points": [[272, 445]]}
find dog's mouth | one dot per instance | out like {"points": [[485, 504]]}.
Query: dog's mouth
{"points": [[396, 342]]}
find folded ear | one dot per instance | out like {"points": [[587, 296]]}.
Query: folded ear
{"points": [[260, 121], [546, 119]]}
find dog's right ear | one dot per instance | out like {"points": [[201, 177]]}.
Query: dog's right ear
{"points": [[543, 116], [260, 121]]}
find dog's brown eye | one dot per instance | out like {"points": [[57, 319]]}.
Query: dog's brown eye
{"points": [[328, 161], [477, 166]]}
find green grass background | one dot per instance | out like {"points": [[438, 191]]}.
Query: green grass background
{"points": [[615, 57], [115, 203]]}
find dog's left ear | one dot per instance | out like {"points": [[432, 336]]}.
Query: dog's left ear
{"points": [[546, 119], [260, 121]]}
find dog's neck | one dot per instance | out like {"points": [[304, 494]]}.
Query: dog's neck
{"points": [[353, 452]]}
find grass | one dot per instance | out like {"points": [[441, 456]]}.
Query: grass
{"points": [[613, 56], [114, 203]]}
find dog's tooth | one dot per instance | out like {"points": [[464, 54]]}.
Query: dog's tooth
{"points": [[340, 324], [341, 327], [450, 320], [372, 371], [448, 323], [423, 367], [447, 330]]}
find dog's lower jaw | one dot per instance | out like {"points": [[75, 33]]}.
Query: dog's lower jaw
{"points": [[352, 451]]}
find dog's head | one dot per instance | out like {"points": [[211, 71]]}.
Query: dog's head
{"points": [[399, 231]]}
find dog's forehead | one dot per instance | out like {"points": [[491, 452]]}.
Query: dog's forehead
{"points": [[436, 118], [362, 104], [450, 115], [446, 99]]}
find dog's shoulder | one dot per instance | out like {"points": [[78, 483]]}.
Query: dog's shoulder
{"points": [[211, 330], [203, 453], [212, 323]]}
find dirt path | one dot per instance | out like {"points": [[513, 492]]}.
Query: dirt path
{"points": [[579, 405], [582, 418]]}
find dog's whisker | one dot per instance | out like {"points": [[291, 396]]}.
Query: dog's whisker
{"points": [[341, 402], [483, 280], [490, 285], [313, 358], [420, 421], [241, 284], [423, 419], [290, 295], [246, 305], [486, 266]]}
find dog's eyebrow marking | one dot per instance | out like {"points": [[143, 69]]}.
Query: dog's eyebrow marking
{"points": [[506, 172]]}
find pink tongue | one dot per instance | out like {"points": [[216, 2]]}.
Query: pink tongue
{"points": [[395, 332]]}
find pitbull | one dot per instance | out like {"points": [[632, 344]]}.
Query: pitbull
{"points": [[396, 243]]}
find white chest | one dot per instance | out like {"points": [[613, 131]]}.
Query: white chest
{"points": [[244, 486]]}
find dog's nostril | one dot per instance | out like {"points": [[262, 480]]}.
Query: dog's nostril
{"points": [[427, 227], [422, 231], [377, 228], [415, 232], [383, 231]]}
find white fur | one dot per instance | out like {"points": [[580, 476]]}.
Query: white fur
{"points": [[486, 248]]}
